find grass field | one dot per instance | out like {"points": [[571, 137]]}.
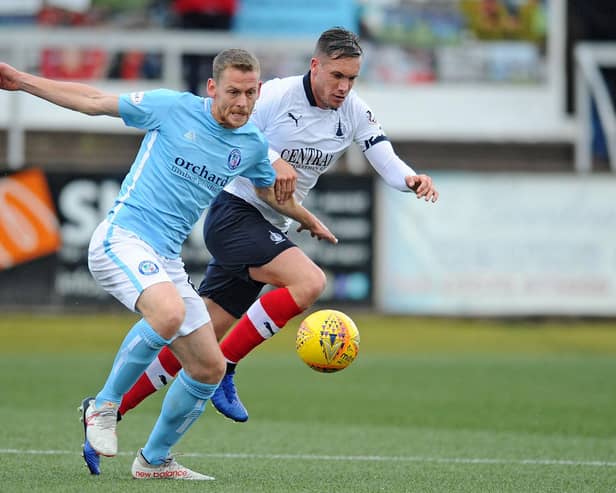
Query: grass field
{"points": [[429, 406]]}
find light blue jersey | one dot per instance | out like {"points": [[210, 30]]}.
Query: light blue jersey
{"points": [[185, 159]]}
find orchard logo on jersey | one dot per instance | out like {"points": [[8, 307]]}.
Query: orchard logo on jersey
{"points": [[199, 174], [148, 268], [235, 158], [29, 227]]}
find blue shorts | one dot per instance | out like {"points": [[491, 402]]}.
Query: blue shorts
{"points": [[238, 237]]}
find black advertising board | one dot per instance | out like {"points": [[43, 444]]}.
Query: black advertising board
{"points": [[343, 202], [82, 202]]}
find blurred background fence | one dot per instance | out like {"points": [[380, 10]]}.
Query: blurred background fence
{"points": [[508, 104]]}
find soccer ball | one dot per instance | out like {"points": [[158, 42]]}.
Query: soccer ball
{"points": [[327, 341]]}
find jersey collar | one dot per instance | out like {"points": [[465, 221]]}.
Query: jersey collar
{"points": [[308, 90]]}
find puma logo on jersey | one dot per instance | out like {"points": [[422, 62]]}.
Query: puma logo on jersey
{"points": [[294, 118]]}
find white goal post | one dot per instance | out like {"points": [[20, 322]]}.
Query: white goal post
{"points": [[591, 86]]}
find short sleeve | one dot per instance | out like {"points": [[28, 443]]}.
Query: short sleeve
{"points": [[262, 174], [148, 109]]}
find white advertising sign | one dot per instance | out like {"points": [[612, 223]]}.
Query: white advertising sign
{"points": [[500, 244]]}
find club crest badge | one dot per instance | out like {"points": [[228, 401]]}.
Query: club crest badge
{"points": [[340, 129], [276, 237], [148, 268], [234, 160]]}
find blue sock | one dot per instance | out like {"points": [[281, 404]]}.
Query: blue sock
{"points": [[138, 350], [184, 403]]}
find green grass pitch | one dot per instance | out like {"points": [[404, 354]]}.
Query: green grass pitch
{"points": [[430, 405]]}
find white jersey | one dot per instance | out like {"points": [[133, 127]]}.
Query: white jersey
{"points": [[309, 138]]}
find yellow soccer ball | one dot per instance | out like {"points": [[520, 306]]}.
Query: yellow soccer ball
{"points": [[327, 341]]}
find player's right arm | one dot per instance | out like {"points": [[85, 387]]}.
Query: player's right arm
{"points": [[286, 179], [291, 208], [263, 116], [72, 95]]}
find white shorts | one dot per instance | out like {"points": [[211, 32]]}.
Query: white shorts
{"points": [[124, 265]]}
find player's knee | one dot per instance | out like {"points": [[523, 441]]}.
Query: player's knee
{"points": [[311, 288], [169, 320], [318, 284]]}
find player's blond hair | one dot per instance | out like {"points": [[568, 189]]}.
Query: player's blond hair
{"points": [[234, 58]]}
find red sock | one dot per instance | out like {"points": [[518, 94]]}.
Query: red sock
{"points": [[157, 375], [263, 319]]}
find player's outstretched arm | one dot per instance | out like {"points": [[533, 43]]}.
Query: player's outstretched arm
{"points": [[397, 173], [72, 95], [290, 208], [422, 186]]}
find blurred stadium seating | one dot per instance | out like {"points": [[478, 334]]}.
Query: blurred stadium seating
{"points": [[432, 72]]}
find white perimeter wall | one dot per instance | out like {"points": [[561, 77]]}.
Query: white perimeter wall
{"points": [[497, 244]]}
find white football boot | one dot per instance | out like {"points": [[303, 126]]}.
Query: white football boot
{"points": [[169, 469], [100, 426]]}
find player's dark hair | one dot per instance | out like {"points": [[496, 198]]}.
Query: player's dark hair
{"points": [[235, 58], [338, 42]]}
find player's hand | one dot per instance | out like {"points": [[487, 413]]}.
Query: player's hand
{"points": [[286, 179], [318, 230], [423, 187], [8, 78]]}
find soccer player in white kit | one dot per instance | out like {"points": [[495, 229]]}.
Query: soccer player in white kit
{"points": [[309, 122], [193, 147]]}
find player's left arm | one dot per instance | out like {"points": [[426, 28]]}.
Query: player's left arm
{"points": [[398, 174], [72, 95], [291, 208], [381, 155]]}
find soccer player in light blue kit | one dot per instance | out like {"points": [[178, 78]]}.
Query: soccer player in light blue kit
{"points": [[193, 147]]}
